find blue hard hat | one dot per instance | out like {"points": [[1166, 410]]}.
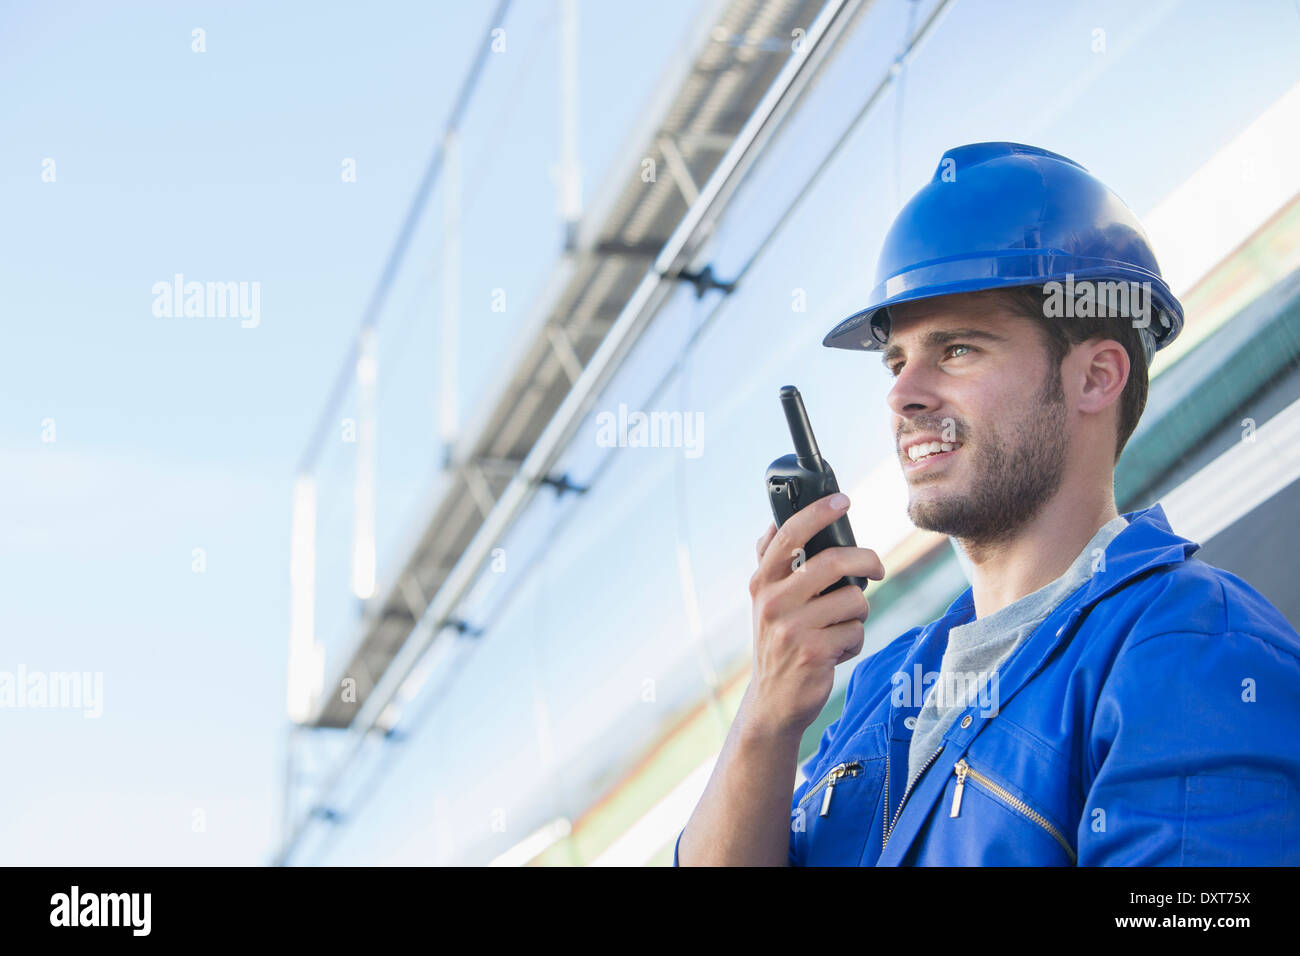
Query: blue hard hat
{"points": [[997, 215]]}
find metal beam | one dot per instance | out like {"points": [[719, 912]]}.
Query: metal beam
{"points": [[653, 290]]}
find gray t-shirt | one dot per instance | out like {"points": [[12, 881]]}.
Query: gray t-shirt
{"points": [[976, 650]]}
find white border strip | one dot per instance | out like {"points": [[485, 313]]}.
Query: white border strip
{"points": [[1265, 461]]}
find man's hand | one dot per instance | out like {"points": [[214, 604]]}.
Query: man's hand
{"points": [[799, 633], [743, 817]]}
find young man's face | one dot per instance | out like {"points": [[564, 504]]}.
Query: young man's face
{"points": [[976, 377]]}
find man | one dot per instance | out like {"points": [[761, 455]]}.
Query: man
{"points": [[1097, 696]]}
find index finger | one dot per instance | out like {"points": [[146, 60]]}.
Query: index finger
{"points": [[797, 531]]}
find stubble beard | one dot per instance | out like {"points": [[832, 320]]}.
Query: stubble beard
{"points": [[1010, 480]]}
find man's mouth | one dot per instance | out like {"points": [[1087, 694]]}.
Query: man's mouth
{"points": [[924, 456], [924, 450]]}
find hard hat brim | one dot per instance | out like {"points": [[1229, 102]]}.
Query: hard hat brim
{"points": [[868, 330]]}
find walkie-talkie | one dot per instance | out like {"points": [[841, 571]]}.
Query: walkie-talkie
{"points": [[796, 481]]}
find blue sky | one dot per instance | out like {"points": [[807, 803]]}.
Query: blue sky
{"points": [[175, 434]]}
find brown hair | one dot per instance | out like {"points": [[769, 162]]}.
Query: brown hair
{"points": [[1062, 334]]}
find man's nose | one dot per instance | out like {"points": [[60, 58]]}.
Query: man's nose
{"points": [[914, 391]]}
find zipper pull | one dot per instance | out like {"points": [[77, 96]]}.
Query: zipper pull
{"points": [[843, 770], [961, 767], [826, 797]]}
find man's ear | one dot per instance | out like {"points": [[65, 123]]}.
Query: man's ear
{"points": [[1102, 367]]}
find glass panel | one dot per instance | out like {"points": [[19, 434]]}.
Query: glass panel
{"points": [[600, 652]]}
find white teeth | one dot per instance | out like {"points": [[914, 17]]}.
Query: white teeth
{"points": [[925, 449]]}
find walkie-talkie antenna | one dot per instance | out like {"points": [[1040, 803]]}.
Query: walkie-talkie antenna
{"points": [[805, 444]]}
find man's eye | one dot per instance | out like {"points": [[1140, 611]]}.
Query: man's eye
{"points": [[898, 366]]}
